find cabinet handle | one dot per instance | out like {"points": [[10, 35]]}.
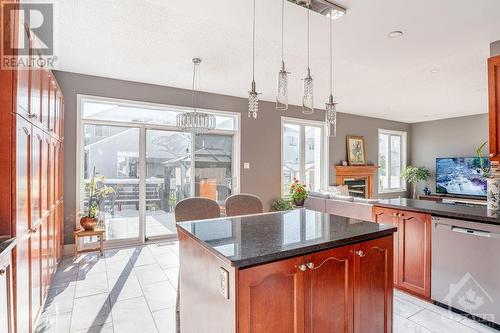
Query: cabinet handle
{"points": [[310, 265], [395, 214], [302, 267], [401, 215], [360, 253], [2, 271], [32, 116]]}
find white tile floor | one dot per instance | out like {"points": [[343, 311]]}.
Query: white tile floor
{"points": [[134, 290]]}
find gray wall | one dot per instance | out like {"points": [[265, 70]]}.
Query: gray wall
{"points": [[495, 48], [454, 137], [260, 139]]}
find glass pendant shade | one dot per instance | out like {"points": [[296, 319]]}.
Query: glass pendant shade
{"points": [[253, 102], [282, 92], [308, 97], [331, 117]]}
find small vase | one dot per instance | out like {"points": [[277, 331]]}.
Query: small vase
{"points": [[299, 203], [88, 223], [493, 194]]}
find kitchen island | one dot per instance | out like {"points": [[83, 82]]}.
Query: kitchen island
{"points": [[294, 271]]}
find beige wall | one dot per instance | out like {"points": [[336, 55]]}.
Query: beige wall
{"points": [[454, 137], [260, 139]]}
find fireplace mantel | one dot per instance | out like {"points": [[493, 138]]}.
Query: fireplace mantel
{"points": [[364, 173]]}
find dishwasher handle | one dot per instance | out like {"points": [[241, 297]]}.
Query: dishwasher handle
{"points": [[467, 231]]}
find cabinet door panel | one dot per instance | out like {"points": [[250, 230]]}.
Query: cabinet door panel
{"points": [[36, 92], [494, 106], [391, 217], [6, 301], [36, 277], [268, 292], [23, 77], [415, 252], [36, 175], [52, 104], [23, 156], [328, 292], [373, 286], [45, 98], [23, 296], [44, 256]]}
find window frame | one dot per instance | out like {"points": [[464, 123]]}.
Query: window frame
{"points": [[325, 156], [143, 127], [403, 159]]}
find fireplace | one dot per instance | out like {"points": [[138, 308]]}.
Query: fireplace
{"points": [[359, 179]]}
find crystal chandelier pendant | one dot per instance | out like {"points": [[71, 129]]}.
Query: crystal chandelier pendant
{"points": [[331, 117], [282, 93], [195, 122], [308, 98], [253, 102]]}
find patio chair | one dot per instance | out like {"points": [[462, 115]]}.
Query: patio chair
{"points": [[243, 204], [187, 210]]}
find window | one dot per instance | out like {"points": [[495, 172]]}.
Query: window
{"points": [[391, 160], [303, 153]]}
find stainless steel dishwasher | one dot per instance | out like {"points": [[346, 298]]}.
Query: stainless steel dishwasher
{"points": [[466, 267]]}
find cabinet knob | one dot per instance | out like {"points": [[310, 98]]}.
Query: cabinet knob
{"points": [[302, 267], [360, 253], [2, 271], [32, 116], [401, 215], [310, 265], [395, 214]]}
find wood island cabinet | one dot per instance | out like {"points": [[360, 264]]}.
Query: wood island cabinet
{"points": [[412, 249], [322, 292], [32, 112]]}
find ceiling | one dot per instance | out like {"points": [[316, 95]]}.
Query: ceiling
{"points": [[437, 69]]}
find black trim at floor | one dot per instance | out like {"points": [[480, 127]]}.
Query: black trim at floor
{"points": [[487, 323]]}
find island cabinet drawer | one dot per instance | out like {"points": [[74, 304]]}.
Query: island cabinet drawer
{"points": [[347, 289], [412, 249]]}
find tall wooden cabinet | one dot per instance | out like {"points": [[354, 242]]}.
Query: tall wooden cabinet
{"points": [[31, 112], [494, 106], [412, 249]]}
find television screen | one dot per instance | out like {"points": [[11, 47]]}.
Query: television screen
{"points": [[461, 176]]}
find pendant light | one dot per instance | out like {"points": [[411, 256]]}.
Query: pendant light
{"points": [[195, 122], [253, 97], [331, 105], [308, 97], [282, 91]]}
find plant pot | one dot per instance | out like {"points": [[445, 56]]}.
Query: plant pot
{"points": [[299, 203], [88, 223], [493, 194]]}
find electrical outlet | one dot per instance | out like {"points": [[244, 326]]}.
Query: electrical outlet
{"points": [[224, 283], [246, 165]]}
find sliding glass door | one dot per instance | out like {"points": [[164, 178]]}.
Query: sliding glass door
{"points": [[151, 165], [168, 179]]}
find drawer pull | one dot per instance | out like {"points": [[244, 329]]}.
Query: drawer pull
{"points": [[360, 253], [302, 267], [310, 265]]}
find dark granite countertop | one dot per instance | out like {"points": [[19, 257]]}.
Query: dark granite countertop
{"points": [[256, 239], [458, 211], [6, 243]]}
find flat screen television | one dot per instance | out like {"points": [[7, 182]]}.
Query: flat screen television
{"points": [[461, 176]]}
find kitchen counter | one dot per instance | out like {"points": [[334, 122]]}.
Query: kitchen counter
{"points": [[457, 211], [256, 239], [235, 271]]}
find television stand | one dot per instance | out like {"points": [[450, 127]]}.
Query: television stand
{"points": [[452, 199]]}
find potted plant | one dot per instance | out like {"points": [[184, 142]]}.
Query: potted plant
{"points": [[298, 193], [98, 191], [413, 175], [281, 205]]}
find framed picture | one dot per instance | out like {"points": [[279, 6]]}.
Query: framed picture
{"points": [[356, 150]]}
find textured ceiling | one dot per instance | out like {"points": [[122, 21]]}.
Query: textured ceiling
{"points": [[153, 41]]}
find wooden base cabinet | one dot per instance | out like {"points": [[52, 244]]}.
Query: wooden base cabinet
{"points": [[322, 292], [6, 293], [412, 249]]}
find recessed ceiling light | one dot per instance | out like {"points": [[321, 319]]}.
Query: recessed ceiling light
{"points": [[435, 70], [395, 34]]}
